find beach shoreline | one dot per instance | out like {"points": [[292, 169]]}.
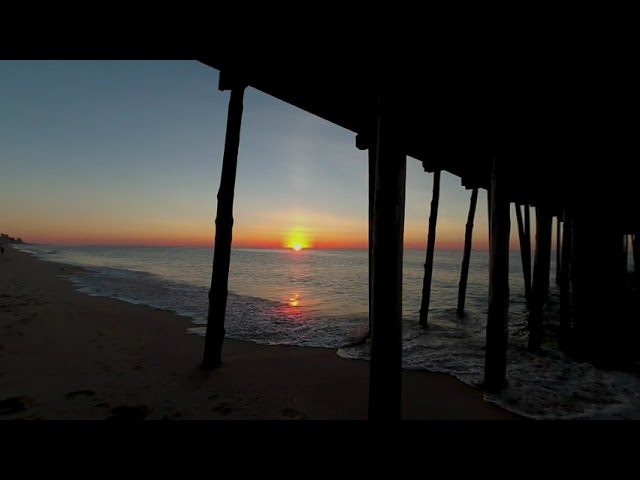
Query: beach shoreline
{"points": [[68, 355]]}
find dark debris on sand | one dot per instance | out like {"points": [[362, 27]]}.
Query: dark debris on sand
{"points": [[127, 412], [14, 405]]}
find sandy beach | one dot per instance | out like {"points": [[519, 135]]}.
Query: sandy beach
{"points": [[67, 355]]}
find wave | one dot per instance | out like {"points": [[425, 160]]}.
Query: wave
{"points": [[546, 386]]}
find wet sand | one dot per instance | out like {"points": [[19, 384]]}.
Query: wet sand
{"points": [[67, 355]]}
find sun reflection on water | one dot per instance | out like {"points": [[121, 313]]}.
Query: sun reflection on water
{"points": [[294, 301]]}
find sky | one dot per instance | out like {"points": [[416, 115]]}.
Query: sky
{"points": [[130, 153]]}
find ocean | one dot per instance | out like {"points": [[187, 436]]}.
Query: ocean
{"points": [[319, 298]]}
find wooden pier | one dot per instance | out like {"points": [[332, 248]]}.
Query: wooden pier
{"points": [[536, 156]]}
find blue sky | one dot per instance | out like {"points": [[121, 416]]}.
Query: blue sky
{"points": [[130, 152]]}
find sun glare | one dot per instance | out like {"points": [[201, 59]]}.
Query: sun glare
{"points": [[297, 239]]}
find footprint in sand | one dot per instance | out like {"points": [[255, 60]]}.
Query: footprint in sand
{"points": [[293, 414], [15, 404], [173, 416], [223, 408], [77, 393]]}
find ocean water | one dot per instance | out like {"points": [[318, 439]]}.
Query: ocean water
{"points": [[319, 298]]}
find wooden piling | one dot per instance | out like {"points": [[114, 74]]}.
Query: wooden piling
{"points": [[431, 243], [635, 243], [565, 264], [468, 238], [388, 233], [489, 214], [564, 282], [541, 268], [524, 229], [558, 249], [372, 193], [497, 334], [625, 255], [215, 332]]}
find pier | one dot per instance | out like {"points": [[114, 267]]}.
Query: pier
{"points": [[551, 146]]}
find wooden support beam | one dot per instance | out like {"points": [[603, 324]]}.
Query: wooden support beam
{"points": [[564, 282], [489, 214], [431, 244], [635, 243], [527, 222], [468, 238], [372, 192], [388, 233], [524, 230], [496, 349], [625, 254], [541, 268], [558, 249], [215, 333], [565, 264], [567, 251]]}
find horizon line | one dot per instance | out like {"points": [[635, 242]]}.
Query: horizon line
{"points": [[244, 247]]}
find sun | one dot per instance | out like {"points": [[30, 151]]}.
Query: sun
{"points": [[297, 239]]}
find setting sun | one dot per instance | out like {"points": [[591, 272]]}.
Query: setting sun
{"points": [[297, 238]]}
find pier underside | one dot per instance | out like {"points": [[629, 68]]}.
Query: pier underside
{"points": [[554, 138]]}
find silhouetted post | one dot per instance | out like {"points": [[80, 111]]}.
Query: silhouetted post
{"points": [[496, 348], [364, 141], [468, 237], [372, 193], [565, 263], [541, 267], [388, 233], [558, 249], [567, 253], [635, 243], [563, 279], [489, 213], [224, 227], [527, 223], [625, 254], [431, 243], [525, 250]]}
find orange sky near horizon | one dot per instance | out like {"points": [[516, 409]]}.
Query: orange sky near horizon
{"points": [[130, 153], [319, 238]]}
